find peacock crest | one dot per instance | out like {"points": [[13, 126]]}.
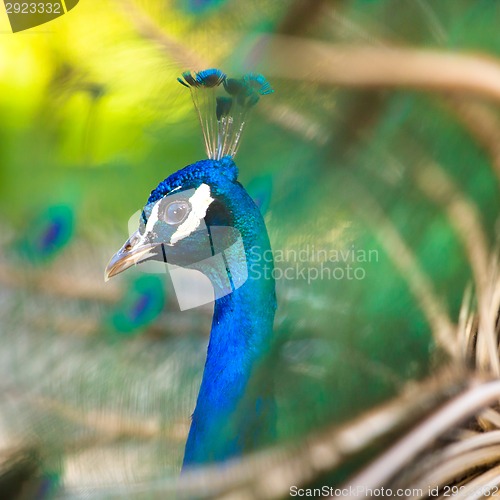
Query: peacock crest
{"points": [[223, 105]]}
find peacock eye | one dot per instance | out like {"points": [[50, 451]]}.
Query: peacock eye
{"points": [[176, 212]]}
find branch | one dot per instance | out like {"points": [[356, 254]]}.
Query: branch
{"points": [[149, 30], [466, 221], [269, 474], [366, 66], [407, 448]]}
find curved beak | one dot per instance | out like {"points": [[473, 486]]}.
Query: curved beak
{"points": [[132, 252]]}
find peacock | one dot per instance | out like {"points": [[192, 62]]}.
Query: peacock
{"points": [[194, 218], [374, 169]]}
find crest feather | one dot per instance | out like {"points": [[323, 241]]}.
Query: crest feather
{"points": [[222, 105]]}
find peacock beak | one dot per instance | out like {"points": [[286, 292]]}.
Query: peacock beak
{"points": [[132, 252]]}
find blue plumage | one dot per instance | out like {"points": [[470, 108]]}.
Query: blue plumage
{"points": [[203, 170], [202, 218], [239, 339]]}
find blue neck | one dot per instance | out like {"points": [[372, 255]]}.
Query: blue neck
{"points": [[229, 417]]}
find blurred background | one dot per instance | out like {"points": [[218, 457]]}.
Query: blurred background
{"points": [[378, 149]]}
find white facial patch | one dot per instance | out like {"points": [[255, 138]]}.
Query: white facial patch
{"points": [[155, 213], [153, 218], [200, 201]]}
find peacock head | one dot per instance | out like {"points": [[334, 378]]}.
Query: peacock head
{"points": [[202, 209]]}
